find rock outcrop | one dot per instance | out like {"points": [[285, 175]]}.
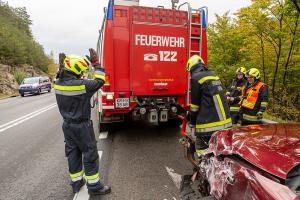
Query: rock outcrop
{"points": [[8, 83]]}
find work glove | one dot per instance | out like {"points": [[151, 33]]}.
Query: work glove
{"points": [[259, 115], [93, 57], [61, 57]]}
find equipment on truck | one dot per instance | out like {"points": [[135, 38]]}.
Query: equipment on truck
{"points": [[144, 51]]}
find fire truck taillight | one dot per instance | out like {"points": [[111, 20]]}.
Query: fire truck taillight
{"points": [[107, 80], [120, 13], [106, 86]]}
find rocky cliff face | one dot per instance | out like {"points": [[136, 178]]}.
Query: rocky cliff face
{"points": [[8, 83]]}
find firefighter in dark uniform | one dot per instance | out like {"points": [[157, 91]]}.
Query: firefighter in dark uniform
{"points": [[209, 111], [73, 96], [254, 99], [235, 92]]}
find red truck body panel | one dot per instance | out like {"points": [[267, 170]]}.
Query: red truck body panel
{"points": [[164, 73], [144, 53]]}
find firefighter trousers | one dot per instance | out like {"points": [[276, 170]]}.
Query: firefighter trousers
{"points": [[81, 151], [202, 141], [235, 116]]}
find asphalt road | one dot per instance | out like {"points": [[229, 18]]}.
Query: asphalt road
{"points": [[139, 161]]}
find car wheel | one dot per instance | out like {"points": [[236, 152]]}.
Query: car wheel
{"points": [[22, 95], [39, 92], [49, 90]]}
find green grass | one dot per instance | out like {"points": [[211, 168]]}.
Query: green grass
{"points": [[19, 75]]}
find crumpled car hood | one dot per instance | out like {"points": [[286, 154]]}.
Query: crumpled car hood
{"points": [[274, 148]]}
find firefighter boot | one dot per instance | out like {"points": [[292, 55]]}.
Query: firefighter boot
{"points": [[77, 185], [104, 189]]}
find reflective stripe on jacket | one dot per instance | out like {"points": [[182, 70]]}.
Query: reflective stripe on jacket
{"points": [[251, 95], [73, 95], [209, 108], [257, 98]]}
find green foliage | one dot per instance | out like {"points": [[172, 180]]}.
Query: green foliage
{"points": [[19, 75], [264, 35], [17, 44]]}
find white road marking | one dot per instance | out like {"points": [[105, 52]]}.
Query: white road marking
{"points": [[28, 115], [103, 135], [83, 192], [25, 118], [176, 178]]}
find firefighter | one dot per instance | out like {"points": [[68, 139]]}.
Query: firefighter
{"points": [[73, 99], [209, 111], [254, 99], [234, 93]]}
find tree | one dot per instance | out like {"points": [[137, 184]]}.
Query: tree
{"points": [[17, 44], [264, 35]]}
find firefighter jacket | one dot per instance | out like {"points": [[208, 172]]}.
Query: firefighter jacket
{"points": [[254, 100], [73, 95], [235, 91], [209, 109]]}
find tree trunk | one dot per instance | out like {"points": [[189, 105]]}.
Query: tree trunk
{"points": [[277, 58], [290, 51], [296, 5], [263, 56]]}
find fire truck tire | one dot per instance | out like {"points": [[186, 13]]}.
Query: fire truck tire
{"points": [[175, 122], [171, 123], [163, 124], [104, 127]]}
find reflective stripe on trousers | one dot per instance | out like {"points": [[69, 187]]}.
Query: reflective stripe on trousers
{"points": [[93, 178], [234, 109], [250, 118], [77, 176]]}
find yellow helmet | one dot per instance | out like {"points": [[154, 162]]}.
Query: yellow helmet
{"points": [[254, 73], [241, 70], [76, 64], [194, 60]]}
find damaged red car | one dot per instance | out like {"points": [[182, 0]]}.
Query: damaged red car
{"points": [[251, 162]]}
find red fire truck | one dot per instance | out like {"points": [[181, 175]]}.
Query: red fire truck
{"points": [[144, 51]]}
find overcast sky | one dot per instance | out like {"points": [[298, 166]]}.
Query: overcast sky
{"points": [[71, 26]]}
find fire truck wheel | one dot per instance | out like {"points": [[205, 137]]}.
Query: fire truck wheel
{"points": [[104, 127], [175, 122]]}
